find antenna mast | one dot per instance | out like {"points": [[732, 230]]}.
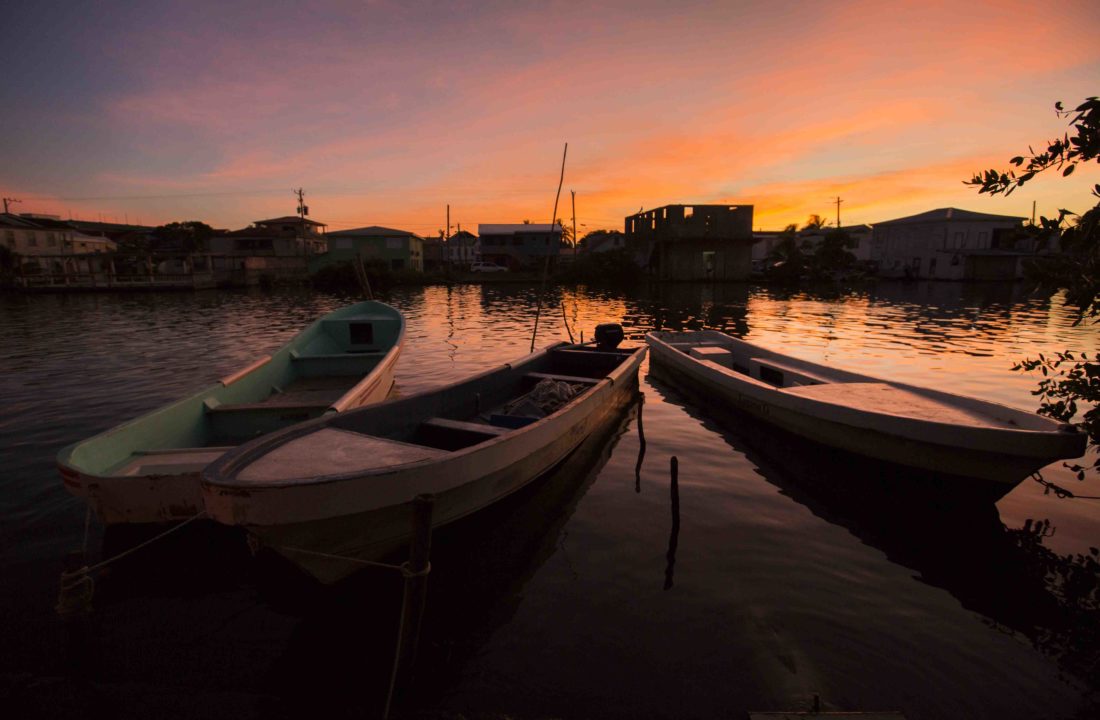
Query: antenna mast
{"points": [[10, 200]]}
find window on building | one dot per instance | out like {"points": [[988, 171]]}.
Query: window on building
{"points": [[341, 244], [9, 237], [32, 240], [51, 239], [959, 240], [688, 212], [932, 267], [394, 244], [983, 239]]}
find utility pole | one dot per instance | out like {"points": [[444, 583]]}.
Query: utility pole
{"points": [[10, 200], [573, 193], [837, 203], [303, 209], [447, 234], [1032, 213]]}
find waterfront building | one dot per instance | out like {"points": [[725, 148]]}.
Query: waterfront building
{"points": [[603, 242], [950, 244], [463, 248], [48, 235], [520, 246], [289, 236], [398, 249], [694, 242]]}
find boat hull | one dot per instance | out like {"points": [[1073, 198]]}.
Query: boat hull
{"points": [[994, 460], [366, 516], [167, 488], [391, 528]]}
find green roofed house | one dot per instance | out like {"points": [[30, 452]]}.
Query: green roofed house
{"points": [[399, 249]]}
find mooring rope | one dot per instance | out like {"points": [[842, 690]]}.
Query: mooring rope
{"points": [[407, 573], [69, 599], [404, 568]]}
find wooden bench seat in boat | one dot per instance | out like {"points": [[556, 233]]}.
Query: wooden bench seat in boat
{"points": [[446, 434], [353, 362], [465, 426], [780, 373], [170, 461], [564, 378]]}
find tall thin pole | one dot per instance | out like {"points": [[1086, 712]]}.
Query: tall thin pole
{"points": [[837, 203], [447, 234], [546, 264], [574, 194]]}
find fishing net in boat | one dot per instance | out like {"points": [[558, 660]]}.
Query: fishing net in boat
{"points": [[545, 398]]}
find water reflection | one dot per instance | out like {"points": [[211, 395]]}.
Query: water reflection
{"points": [[1006, 575]]}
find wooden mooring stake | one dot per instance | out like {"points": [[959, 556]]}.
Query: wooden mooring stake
{"points": [[415, 573]]}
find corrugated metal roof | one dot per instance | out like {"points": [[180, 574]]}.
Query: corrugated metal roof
{"points": [[945, 214], [511, 229], [289, 219], [372, 231]]}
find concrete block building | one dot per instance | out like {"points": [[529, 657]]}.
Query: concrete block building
{"points": [[694, 242]]}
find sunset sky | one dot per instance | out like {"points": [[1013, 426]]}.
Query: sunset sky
{"points": [[386, 111]]}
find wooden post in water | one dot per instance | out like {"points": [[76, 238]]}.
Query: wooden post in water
{"points": [[416, 585], [74, 607], [674, 533]]}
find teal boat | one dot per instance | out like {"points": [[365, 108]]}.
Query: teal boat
{"points": [[147, 470]]}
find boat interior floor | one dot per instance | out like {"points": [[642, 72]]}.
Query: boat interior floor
{"points": [[885, 398], [335, 450]]}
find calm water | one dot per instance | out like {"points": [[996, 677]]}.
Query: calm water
{"points": [[584, 597]]}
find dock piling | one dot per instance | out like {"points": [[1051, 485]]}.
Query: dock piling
{"points": [[415, 573]]}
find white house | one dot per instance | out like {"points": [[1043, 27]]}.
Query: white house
{"points": [[36, 235], [948, 244]]}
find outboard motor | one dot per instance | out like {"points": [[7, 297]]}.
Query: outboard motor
{"points": [[608, 336]]}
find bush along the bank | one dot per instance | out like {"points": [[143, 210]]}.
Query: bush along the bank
{"points": [[341, 276]]}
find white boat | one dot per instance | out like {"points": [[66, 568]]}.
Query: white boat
{"points": [[989, 448], [343, 486], [147, 469]]}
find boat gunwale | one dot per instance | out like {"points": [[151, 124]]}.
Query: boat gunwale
{"points": [[64, 456], [236, 460], [809, 404]]}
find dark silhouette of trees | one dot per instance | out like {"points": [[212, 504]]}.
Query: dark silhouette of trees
{"points": [[186, 237], [1071, 380]]}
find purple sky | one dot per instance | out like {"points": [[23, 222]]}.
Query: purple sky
{"points": [[385, 112]]}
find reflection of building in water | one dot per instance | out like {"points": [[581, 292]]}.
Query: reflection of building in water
{"points": [[951, 244], [693, 242]]}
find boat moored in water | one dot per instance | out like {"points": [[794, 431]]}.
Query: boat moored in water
{"points": [[339, 489], [986, 447], [147, 470]]}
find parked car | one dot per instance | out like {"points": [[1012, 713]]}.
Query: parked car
{"points": [[487, 267]]}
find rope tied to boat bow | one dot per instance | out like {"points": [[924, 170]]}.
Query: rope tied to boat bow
{"points": [[77, 586], [404, 568]]}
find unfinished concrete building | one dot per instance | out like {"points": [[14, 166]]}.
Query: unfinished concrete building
{"points": [[693, 242]]}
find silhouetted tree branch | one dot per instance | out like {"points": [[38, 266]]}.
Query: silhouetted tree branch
{"points": [[1071, 380]]}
